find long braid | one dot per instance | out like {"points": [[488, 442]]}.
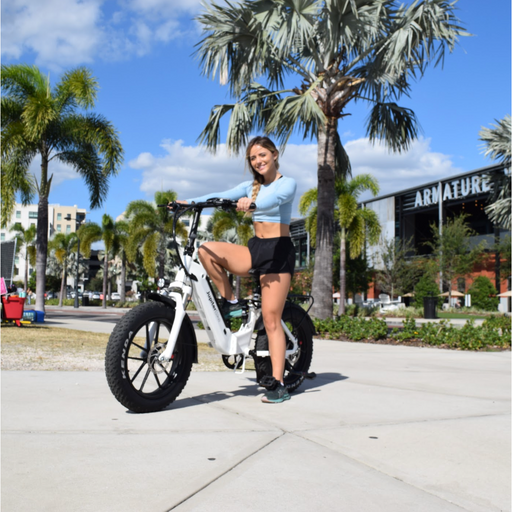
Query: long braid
{"points": [[256, 185]]}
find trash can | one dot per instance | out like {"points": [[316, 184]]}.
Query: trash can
{"points": [[429, 307], [85, 300], [13, 308]]}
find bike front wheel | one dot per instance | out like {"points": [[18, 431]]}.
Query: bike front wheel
{"points": [[136, 377]]}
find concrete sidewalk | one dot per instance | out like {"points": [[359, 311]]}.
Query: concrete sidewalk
{"points": [[382, 428]]}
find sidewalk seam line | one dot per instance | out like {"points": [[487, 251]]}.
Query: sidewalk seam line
{"points": [[225, 473]]}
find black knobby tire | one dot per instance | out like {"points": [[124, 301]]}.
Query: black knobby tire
{"points": [[296, 369], [135, 376]]}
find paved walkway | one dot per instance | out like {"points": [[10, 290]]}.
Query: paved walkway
{"points": [[382, 428]]}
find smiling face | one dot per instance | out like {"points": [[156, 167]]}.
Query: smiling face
{"points": [[263, 161]]}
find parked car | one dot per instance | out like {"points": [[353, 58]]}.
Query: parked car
{"points": [[115, 296], [51, 295], [96, 296]]}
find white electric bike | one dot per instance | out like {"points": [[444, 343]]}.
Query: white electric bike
{"points": [[152, 348]]}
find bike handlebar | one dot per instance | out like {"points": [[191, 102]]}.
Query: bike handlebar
{"points": [[210, 203]]}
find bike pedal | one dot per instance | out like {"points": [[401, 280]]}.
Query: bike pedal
{"points": [[269, 382]]}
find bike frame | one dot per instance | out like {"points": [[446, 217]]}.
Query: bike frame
{"points": [[192, 283]]}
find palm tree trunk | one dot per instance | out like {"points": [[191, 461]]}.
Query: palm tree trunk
{"points": [[105, 278], [322, 277], [42, 234], [161, 256], [63, 284], [343, 271], [122, 292], [26, 269], [238, 285]]}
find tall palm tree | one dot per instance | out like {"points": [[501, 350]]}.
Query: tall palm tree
{"points": [[38, 120], [26, 239], [497, 146], [338, 52], [150, 230], [63, 245], [120, 250], [234, 227], [92, 232], [356, 224]]}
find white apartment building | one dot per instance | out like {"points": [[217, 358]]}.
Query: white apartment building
{"points": [[57, 223]]}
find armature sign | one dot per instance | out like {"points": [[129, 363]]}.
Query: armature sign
{"points": [[455, 189]]}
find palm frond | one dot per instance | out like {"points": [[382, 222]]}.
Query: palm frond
{"points": [[497, 140], [395, 125]]}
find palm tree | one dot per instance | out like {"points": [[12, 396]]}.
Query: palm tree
{"points": [[341, 52], [40, 120], [150, 230], [26, 238], [234, 227], [497, 146], [356, 224], [107, 232], [63, 245]]}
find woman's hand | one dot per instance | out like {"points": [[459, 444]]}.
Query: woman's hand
{"points": [[171, 204], [244, 204]]}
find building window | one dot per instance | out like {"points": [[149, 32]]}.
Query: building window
{"points": [[59, 216], [16, 261], [16, 271], [18, 214], [2, 237], [59, 228], [68, 229], [32, 215]]}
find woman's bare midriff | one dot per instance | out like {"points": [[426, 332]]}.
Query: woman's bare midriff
{"points": [[270, 229]]}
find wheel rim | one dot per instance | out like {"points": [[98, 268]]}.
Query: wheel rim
{"points": [[147, 375]]}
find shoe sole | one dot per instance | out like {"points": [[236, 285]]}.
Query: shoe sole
{"points": [[278, 401]]}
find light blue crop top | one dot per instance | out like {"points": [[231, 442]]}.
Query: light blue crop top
{"points": [[273, 203]]}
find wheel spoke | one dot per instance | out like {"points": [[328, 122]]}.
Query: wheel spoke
{"points": [[139, 370], [148, 371], [157, 380]]}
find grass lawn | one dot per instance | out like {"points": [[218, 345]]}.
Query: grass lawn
{"points": [[38, 347], [464, 316]]}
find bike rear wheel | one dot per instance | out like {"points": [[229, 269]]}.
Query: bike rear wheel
{"points": [[297, 365], [136, 377]]}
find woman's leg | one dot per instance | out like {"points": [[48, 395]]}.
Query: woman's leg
{"points": [[217, 257], [274, 290]]}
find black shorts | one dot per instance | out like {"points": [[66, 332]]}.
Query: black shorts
{"points": [[272, 255]]}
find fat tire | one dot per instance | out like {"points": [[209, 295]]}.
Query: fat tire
{"points": [[301, 327], [122, 367]]}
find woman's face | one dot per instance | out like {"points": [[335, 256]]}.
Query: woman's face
{"points": [[263, 161]]}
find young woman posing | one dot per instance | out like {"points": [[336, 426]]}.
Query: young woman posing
{"points": [[271, 252]]}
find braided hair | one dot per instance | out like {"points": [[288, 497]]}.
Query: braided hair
{"points": [[266, 143]]}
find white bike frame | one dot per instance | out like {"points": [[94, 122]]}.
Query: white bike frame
{"points": [[221, 338]]}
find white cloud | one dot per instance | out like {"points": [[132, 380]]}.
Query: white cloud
{"points": [[395, 171], [64, 33], [61, 32], [192, 171]]}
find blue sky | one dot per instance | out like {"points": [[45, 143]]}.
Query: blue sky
{"points": [[151, 89]]}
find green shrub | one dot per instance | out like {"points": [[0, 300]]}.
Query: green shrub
{"points": [[354, 328], [426, 287], [481, 291]]}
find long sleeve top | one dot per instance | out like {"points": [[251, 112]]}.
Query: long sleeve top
{"points": [[273, 203]]}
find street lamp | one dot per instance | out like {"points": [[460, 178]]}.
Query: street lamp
{"points": [[78, 222]]}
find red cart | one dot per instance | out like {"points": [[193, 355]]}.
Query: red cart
{"points": [[13, 308]]}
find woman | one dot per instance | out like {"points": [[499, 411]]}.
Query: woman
{"points": [[270, 253]]}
